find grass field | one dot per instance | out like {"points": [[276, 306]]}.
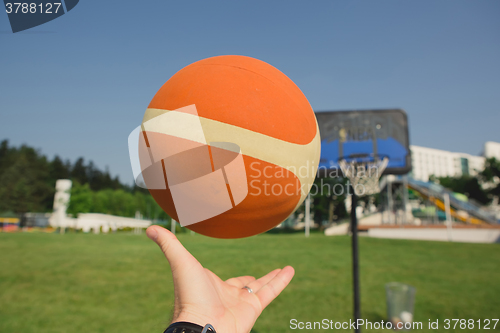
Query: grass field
{"points": [[122, 283]]}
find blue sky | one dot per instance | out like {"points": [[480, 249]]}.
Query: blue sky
{"points": [[78, 85]]}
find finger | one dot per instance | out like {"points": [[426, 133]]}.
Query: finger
{"points": [[240, 281], [273, 288], [257, 284], [180, 259]]}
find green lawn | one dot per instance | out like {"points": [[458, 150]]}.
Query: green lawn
{"points": [[122, 283]]}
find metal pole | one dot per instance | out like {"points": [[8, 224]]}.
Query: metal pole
{"points": [[172, 225], [405, 198], [308, 214], [390, 201], [448, 214], [355, 262]]}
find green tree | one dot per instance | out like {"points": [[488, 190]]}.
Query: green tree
{"points": [[115, 202], [466, 185], [22, 185], [328, 196], [491, 174], [58, 170], [27, 184], [81, 199], [79, 171]]}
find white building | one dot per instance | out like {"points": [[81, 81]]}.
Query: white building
{"points": [[442, 163], [492, 149]]}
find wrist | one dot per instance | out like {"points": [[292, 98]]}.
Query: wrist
{"points": [[187, 327], [195, 319]]}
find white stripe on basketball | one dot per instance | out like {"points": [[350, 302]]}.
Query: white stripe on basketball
{"points": [[301, 160]]}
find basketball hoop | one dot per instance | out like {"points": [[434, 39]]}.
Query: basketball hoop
{"points": [[364, 133], [364, 171]]}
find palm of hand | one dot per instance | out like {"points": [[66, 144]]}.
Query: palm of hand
{"points": [[202, 297]]}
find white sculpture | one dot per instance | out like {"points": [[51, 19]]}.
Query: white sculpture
{"points": [[61, 202]]}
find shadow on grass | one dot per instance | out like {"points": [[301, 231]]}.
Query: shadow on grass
{"points": [[275, 231]]}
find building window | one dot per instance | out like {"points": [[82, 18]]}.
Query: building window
{"points": [[464, 163]]}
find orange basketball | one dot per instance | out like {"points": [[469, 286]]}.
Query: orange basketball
{"points": [[254, 107]]}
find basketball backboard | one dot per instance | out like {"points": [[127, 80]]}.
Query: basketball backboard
{"points": [[381, 133]]}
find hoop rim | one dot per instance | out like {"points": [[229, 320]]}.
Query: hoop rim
{"points": [[350, 166]]}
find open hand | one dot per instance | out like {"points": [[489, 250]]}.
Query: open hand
{"points": [[201, 297]]}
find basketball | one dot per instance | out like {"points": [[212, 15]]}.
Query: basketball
{"points": [[243, 145]]}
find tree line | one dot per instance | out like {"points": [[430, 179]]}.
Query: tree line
{"points": [[28, 178]]}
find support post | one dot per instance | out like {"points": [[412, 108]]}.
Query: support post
{"points": [[390, 201], [448, 215], [355, 262], [405, 198], [172, 225], [308, 214]]}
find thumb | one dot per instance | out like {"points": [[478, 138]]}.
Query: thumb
{"points": [[181, 261]]}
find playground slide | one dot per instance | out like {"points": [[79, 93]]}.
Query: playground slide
{"points": [[463, 211]]}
